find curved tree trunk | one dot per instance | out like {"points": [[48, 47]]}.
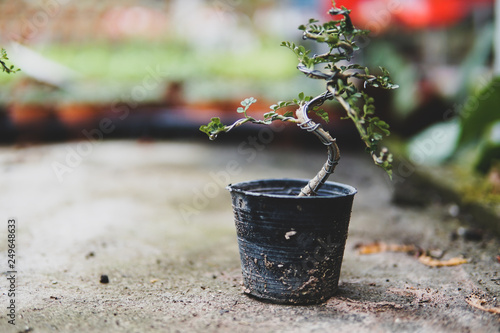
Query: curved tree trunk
{"points": [[333, 150]]}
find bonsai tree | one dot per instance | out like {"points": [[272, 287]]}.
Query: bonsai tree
{"points": [[344, 84]]}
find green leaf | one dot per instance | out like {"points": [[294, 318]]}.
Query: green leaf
{"points": [[6, 68], [368, 109], [322, 114], [340, 84], [213, 128], [269, 114]]}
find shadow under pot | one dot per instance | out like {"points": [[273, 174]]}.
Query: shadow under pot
{"points": [[291, 247]]}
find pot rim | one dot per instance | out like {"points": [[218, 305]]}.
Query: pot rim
{"points": [[243, 188]]}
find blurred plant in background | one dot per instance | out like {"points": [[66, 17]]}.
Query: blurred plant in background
{"points": [[209, 54], [443, 53], [198, 42]]}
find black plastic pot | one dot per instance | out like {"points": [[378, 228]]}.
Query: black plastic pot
{"points": [[291, 247]]}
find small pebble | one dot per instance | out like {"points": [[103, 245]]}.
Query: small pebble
{"points": [[454, 210], [470, 234], [104, 279]]}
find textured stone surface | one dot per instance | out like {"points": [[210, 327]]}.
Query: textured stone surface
{"points": [[156, 219]]}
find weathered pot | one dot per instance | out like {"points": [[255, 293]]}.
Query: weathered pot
{"points": [[291, 247]]}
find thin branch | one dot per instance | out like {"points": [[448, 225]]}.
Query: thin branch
{"points": [[6, 69], [351, 113]]}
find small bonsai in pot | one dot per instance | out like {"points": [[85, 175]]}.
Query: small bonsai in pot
{"points": [[292, 232]]}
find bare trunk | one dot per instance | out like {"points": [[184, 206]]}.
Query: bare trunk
{"points": [[333, 150]]}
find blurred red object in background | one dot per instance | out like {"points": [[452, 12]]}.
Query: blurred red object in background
{"points": [[379, 15], [419, 14]]}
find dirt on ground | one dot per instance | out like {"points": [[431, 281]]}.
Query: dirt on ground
{"points": [[155, 218]]}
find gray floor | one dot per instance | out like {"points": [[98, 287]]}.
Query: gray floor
{"points": [[156, 219]]}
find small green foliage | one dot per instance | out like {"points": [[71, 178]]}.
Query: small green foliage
{"points": [[248, 101], [281, 105], [245, 105], [322, 114], [371, 128], [341, 82], [301, 99], [213, 128], [5, 67]]}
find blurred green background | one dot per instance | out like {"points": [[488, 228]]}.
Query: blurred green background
{"points": [[174, 64]]}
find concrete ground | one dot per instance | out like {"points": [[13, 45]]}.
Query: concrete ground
{"points": [[155, 218]]}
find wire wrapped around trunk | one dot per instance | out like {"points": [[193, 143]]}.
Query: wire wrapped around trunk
{"points": [[333, 151]]}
